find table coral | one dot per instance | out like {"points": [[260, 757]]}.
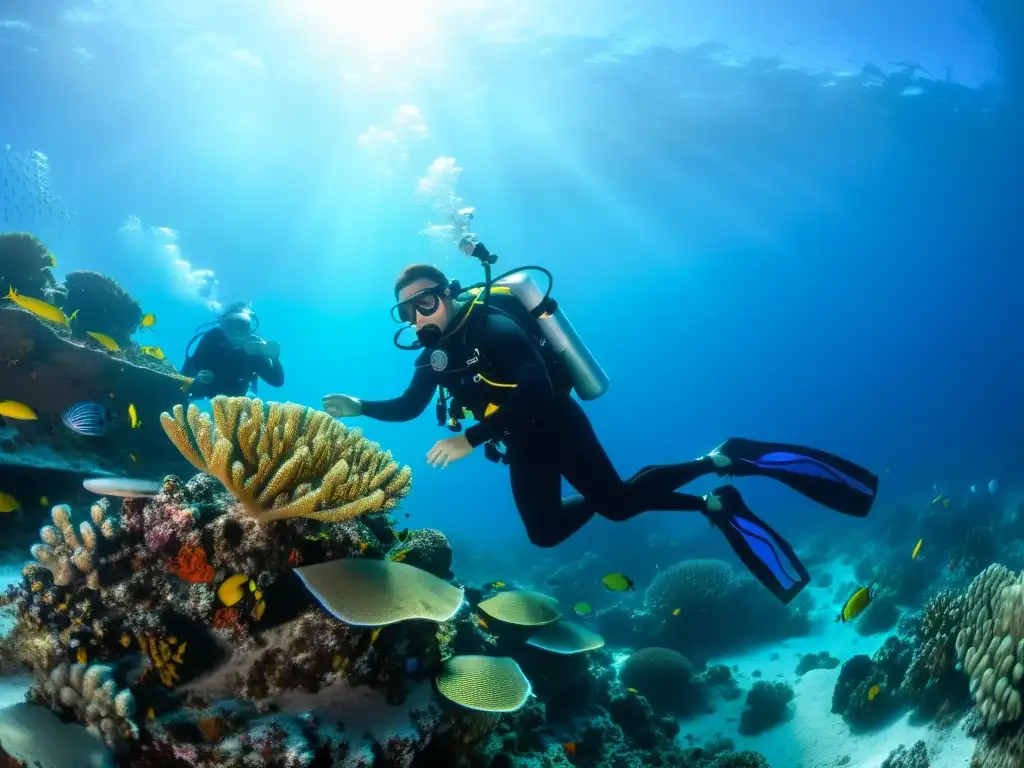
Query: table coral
{"points": [[282, 460]]}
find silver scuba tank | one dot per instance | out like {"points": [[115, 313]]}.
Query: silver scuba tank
{"points": [[588, 378]]}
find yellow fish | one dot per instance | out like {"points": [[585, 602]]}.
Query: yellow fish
{"points": [[153, 352], [133, 416], [675, 612], [104, 340], [617, 582], [913, 555], [940, 499], [363, 546], [873, 691], [81, 657], [40, 308], [233, 589], [633, 690], [132, 457], [150, 714], [11, 409], [375, 634], [856, 604], [44, 501], [8, 503], [53, 260], [148, 320], [398, 557]]}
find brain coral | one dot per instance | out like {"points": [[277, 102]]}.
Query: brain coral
{"points": [[990, 643], [662, 676], [691, 586]]}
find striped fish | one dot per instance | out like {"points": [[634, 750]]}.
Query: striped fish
{"points": [[90, 419]]}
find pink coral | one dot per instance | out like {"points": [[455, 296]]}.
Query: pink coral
{"points": [[166, 525]]}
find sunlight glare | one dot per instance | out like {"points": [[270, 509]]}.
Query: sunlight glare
{"points": [[381, 28]]}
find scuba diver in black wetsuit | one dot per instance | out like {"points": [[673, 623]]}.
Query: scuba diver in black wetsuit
{"points": [[230, 357], [505, 354]]}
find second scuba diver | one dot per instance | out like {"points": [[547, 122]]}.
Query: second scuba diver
{"points": [[513, 368], [230, 358]]}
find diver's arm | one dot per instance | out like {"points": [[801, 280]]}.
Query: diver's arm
{"points": [[506, 341], [412, 402], [270, 370]]}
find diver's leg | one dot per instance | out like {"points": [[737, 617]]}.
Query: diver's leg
{"points": [[585, 464], [827, 479], [536, 478], [767, 555]]}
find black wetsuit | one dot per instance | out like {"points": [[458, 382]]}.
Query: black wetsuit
{"points": [[545, 431], [233, 369]]}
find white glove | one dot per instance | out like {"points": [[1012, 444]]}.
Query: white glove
{"points": [[342, 406]]}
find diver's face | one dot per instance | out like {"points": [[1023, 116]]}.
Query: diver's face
{"points": [[237, 328], [419, 299]]}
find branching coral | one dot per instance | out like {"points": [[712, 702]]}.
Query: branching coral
{"points": [[92, 694], [64, 555], [990, 643], [282, 460]]}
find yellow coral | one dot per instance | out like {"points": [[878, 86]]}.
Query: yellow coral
{"points": [[282, 460], [165, 654]]}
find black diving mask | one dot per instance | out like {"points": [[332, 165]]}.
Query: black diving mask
{"points": [[425, 303]]}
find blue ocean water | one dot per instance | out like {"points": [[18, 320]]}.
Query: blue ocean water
{"points": [[797, 223]]}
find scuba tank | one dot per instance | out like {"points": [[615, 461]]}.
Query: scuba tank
{"points": [[556, 332]]}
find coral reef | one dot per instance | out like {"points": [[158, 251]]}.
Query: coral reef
{"points": [[287, 460], [713, 591], [902, 757], [868, 691], [91, 693], [25, 265], [102, 305], [990, 643], [663, 676], [812, 661], [932, 681], [767, 705]]}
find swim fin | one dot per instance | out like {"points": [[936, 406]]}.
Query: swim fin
{"points": [[766, 554], [829, 480]]}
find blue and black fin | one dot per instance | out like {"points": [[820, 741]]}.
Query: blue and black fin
{"points": [[767, 555], [829, 480]]}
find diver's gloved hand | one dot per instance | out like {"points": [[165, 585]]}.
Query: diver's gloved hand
{"points": [[204, 377], [342, 406], [257, 347]]}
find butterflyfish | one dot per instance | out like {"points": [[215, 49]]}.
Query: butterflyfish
{"points": [[856, 604]]}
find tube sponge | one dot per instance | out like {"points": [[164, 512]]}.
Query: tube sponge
{"points": [[990, 644], [63, 554], [91, 693]]}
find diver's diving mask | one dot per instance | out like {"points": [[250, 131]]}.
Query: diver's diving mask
{"points": [[425, 303], [239, 324]]}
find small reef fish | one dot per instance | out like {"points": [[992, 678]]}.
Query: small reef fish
{"points": [[582, 609], [873, 691], [917, 549], [399, 556], [232, 589], [993, 486], [8, 503], [133, 416], [375, 634], [570, 748], [617, 582], [11, 409], [941, 499], [81, 656], [153, 352], [495, 585], [480, 621], [403, 534], [104, 340], [44, 501], [133, 458], [40, 308], [148, 321], [89, 419], [52, 260], [634, 691], [856, 603], [676, 612], [124, 487]]}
